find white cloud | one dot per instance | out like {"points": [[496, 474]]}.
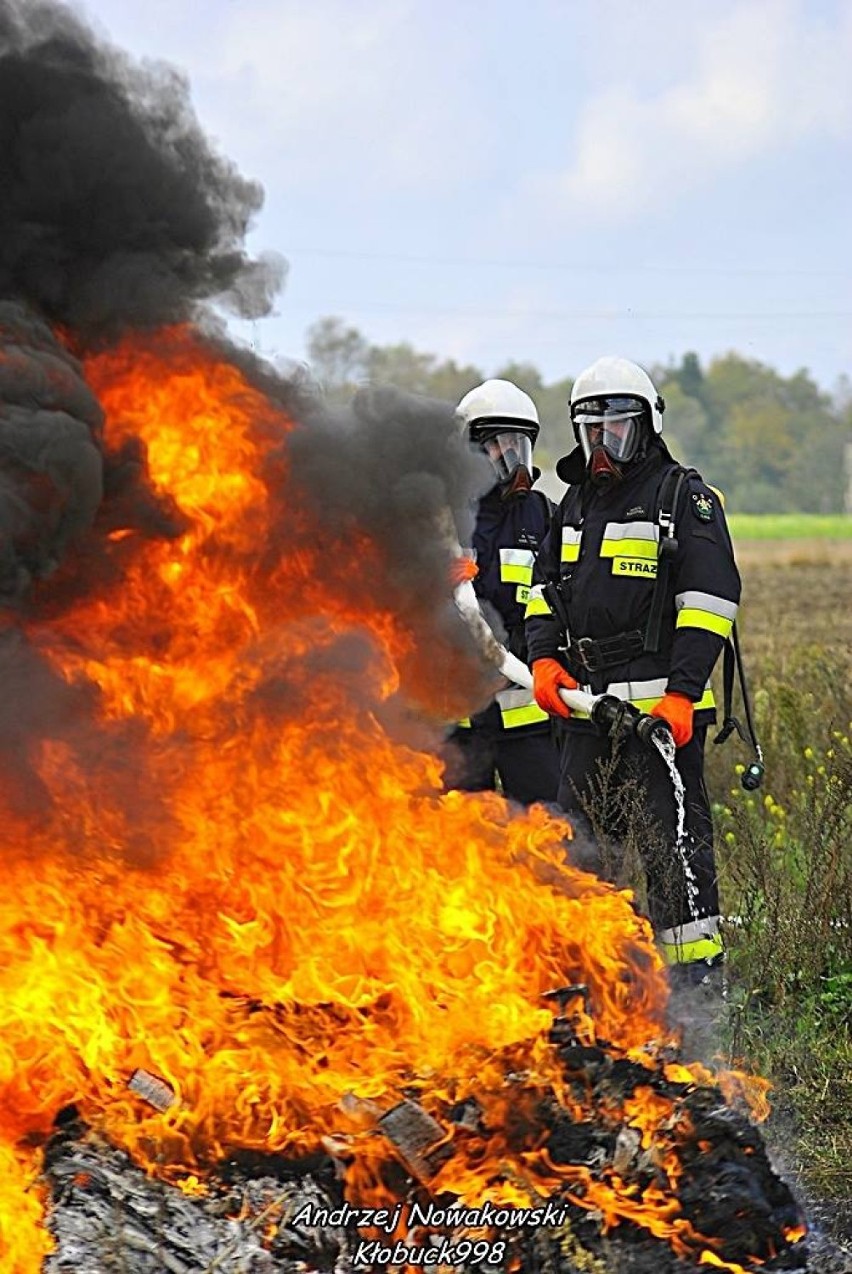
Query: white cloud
{"points": [[367, 90], [756, 79], [343, 93]]}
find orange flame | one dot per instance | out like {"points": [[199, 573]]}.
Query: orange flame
{"points": [[243, 886]]}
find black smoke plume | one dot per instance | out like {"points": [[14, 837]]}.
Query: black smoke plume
{"points": [[117, 216], [51, 473], [115, 211]]}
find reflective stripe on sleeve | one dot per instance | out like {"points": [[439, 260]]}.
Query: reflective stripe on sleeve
{"points": [[571, 543], [536, 604], [516, 566], [705, 610]]}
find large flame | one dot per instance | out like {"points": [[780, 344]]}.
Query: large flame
{"points": [[242, 885]]}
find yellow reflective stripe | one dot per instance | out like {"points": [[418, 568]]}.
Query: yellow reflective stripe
{"points": [[645, 705], [536, 605], [692, 617], [516, 565], [694, 599], [687, 952], [707, 700], [528, 715], [465, 723], [629, 548], [570, 544], [512, 573]]}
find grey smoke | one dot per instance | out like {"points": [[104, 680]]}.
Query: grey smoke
{"points": [[115, 210], [393, 468]]}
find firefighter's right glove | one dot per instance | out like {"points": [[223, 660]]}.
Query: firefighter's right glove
{"points": [[676, 710], [462, 569], [548, 676]]}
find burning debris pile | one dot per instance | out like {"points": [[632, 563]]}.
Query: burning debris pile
{"points": [[294, 1217], [245, 936]]}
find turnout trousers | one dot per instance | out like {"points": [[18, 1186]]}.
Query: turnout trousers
{"points": [[526, 759], [615, 792]]}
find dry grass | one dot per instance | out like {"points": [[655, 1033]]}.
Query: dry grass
{"points": [[785, 853], [796, 594]]}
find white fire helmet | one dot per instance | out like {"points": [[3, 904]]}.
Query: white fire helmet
{"points": [[501, 420], [609, 400]]}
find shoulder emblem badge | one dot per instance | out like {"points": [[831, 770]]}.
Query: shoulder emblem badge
{"points": [[702, 506]]}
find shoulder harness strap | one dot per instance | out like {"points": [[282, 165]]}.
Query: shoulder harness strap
{"points": [[732, 664], [668, 497]]}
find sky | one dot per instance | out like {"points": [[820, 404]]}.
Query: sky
{"points": [[538, 180]]}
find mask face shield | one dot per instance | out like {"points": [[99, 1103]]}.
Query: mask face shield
{"points": [[507, 449], [613, 423]]}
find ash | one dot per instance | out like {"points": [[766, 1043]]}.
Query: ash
{"points": [[109, 1217]]}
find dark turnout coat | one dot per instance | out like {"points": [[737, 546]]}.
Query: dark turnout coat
{"points": [[603, 550], [506, 540]]}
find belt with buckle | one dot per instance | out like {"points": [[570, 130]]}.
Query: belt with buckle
{"points": [[607, 652]]}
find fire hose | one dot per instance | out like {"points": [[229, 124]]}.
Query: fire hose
{"points": [[614, 716]]}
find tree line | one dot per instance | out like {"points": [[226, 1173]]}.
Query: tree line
{"points": [[773, 444]]}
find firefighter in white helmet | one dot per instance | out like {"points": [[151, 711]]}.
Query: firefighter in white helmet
{"points": [[635, 592], [512, 739]]}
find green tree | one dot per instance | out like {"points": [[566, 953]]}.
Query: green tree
{"points": [[407, 368], [338, 355], [687, 429], [771, 443], [781, 439]]}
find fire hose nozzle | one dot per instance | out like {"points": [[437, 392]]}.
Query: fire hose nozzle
{"points": [[649, 728], [618, 717]]}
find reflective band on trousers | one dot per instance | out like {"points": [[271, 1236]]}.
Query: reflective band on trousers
{"points": [[697, 940]]}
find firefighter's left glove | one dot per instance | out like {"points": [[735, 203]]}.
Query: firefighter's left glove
{"points": [[676, 710], [461, 570], [548, 676]]}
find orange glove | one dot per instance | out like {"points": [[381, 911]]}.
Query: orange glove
{"points": [[461, 570], [676, 710], [548, 676]]}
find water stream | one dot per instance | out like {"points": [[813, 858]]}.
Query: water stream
{"points": [[665, 745]]}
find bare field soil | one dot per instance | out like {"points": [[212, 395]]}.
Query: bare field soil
{"points": [[796, 594]]}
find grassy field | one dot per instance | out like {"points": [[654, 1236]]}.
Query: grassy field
{"points": [[790, 526], [785, 855]]}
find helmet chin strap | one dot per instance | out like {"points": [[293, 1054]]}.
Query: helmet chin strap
{"points": [[603, 470], [519, 484]]}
